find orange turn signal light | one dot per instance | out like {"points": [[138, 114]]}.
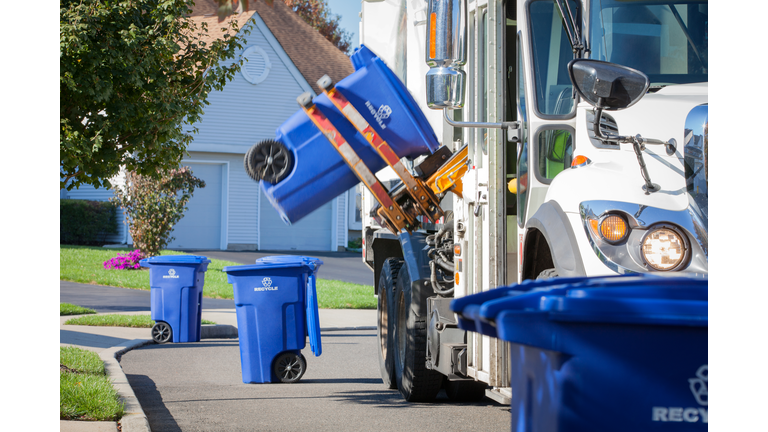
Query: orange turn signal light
{"points": [[457, 249], [580, 161], [432, 35], [613, 228]]}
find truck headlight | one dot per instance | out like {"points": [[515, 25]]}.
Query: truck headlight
{"points": [[663, 248]]}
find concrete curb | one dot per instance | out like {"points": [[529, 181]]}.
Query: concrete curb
{"points": [[219, 331], [134, 419], [347, 328]]}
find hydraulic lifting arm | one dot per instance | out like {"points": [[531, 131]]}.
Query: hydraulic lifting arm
{"points": [[401, 208]]}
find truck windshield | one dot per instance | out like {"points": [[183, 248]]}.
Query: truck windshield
{"points": [[665, 40]]}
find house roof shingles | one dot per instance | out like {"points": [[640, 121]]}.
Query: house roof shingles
{"points": [[312, 54]]}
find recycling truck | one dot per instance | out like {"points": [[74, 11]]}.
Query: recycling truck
{"points": [[555, 138]]}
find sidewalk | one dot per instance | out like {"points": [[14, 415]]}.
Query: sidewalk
{"points": [[111, 342]]}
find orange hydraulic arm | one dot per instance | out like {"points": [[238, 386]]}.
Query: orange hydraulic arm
{"points": [[419, 197]]}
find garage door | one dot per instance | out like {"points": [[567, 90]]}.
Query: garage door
{"points": [[200, 228], [313, 233]]}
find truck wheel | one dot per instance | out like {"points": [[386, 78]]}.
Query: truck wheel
{"points": [[465, 391], [415, 382], [548, 274], [385, 323]]}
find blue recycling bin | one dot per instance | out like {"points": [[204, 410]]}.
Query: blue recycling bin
{"points": [[312, 315], [622, 353], [319, 174], [387, 105], [176, 296], [276, 309]]}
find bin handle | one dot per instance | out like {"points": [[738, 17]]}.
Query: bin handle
{"points": [[313, 322]]}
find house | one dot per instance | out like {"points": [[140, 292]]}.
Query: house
{"points": [[285, 57]]}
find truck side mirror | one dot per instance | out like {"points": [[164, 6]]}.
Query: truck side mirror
{"points": [[446, 52], [607, 85]]}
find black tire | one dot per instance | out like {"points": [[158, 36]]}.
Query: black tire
{"points": [[162, 332], [268, 160], [289, 367], [385, 322], [246, 163], [465, 391], [415, 382], [547, 274]]}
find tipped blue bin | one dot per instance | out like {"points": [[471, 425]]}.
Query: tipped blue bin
{"points": [[272, 304], [176, 296], [319, 173], [622, 353], [387, 105]]}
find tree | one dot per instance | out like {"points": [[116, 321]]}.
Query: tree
{"points": [[154, 204], [134, 74], [316, 14]]}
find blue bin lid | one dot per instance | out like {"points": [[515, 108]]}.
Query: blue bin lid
{"points": [[636, 299], [262, 265], [291, 258], [174, 259]]}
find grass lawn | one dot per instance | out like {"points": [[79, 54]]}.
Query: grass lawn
{"points": [[118, 320], [85, 264], [85, 391], [70, 309]]}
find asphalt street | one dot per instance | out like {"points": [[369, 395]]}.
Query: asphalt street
{"points": [[106, 299], [198, 387], [342, 266]]}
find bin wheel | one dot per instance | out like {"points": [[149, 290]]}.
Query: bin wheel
{"points": [[290, 367], [161, 332], [385, 323], [268, 160], [415, 382]]}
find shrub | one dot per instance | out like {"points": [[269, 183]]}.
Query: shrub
{"points": [[128, 261], [83, 222], [154, 204]]}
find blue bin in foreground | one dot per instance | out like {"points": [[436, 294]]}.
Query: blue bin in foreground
{"points": [[276, 309], [624, 353], [176, 296]]}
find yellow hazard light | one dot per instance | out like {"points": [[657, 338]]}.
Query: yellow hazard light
{"points": [[613, 228]]}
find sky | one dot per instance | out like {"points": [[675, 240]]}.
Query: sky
{"points": [[350, 20]]}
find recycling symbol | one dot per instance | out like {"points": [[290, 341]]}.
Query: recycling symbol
{"points": [[699, 385], [267, 282]]}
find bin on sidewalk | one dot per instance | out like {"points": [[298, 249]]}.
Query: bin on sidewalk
{"points": [[622, 353], [276, 309], [176, 296]]}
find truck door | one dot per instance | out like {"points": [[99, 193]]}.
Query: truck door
{"points": [[546, 105]]}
